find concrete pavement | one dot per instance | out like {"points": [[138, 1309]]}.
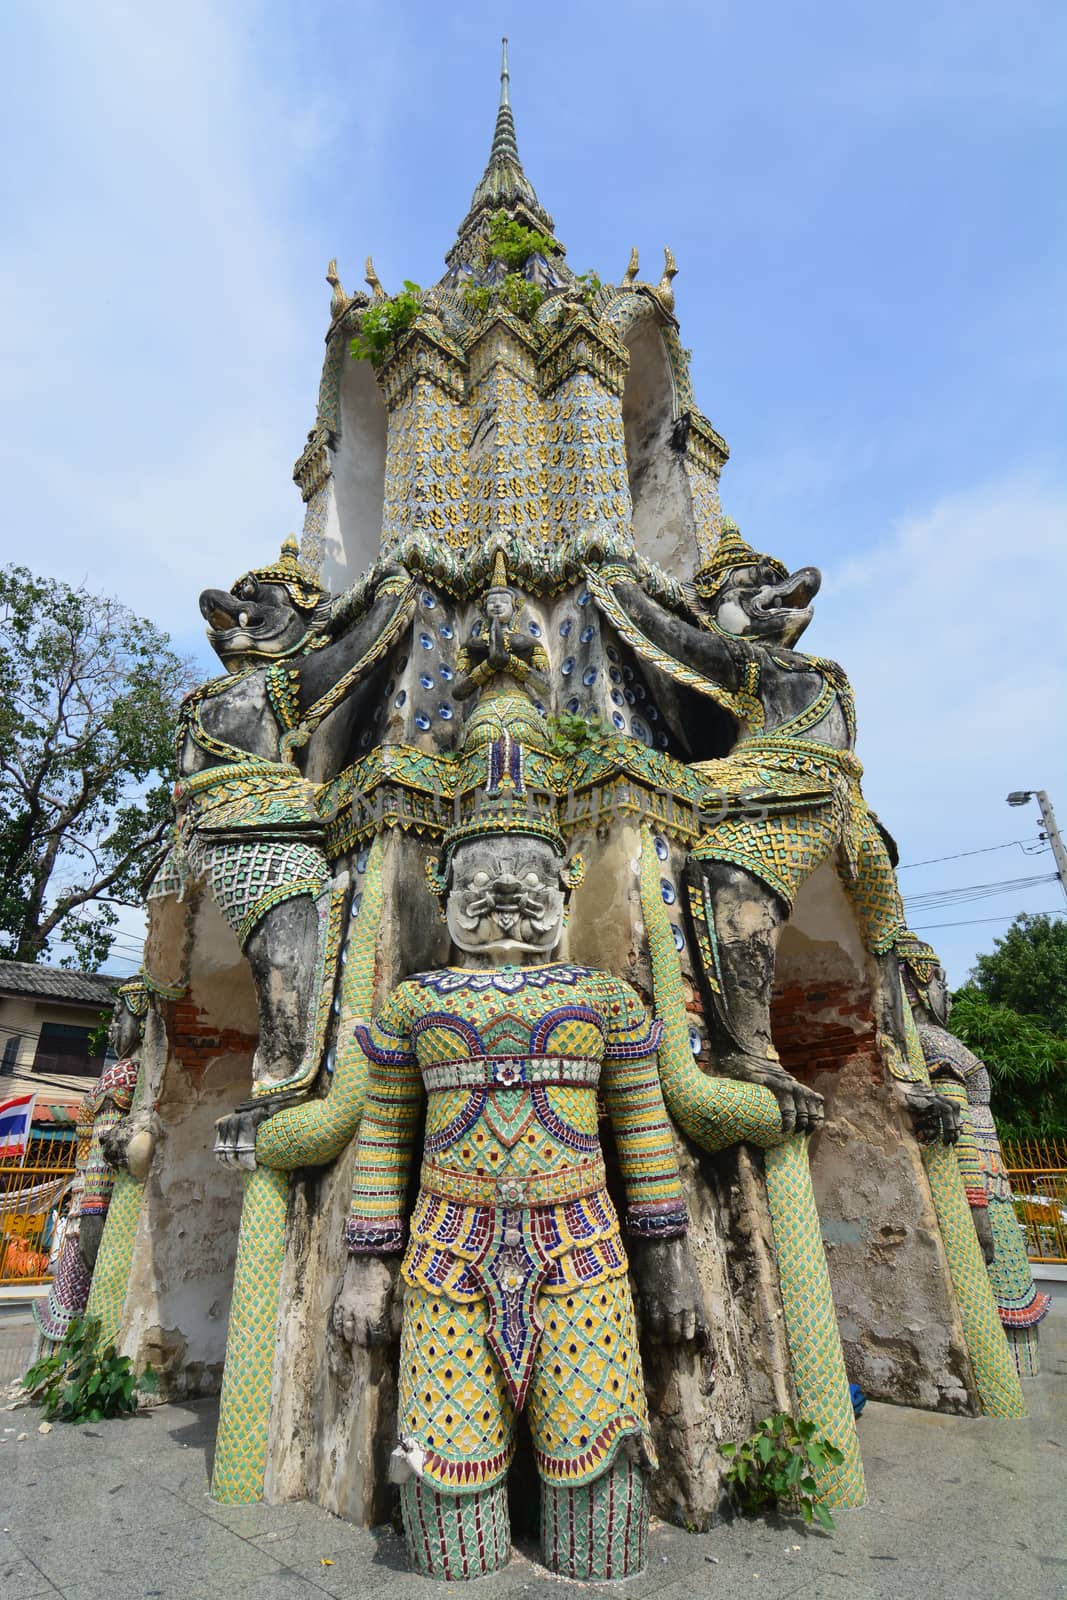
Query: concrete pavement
{"points": [[958, 1510]]}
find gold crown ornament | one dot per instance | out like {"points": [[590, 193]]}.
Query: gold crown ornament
{"points": [[304, 590], [134, 996], [920, 958], [731, 551]]}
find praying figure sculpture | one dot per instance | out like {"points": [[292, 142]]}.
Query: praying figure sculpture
{"points": [[515, 1289], [503, 668], [958, 1073], [101, 1111], [788, 798]]}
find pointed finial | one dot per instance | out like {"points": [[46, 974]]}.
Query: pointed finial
{"points": [[631, 269], [290, 548], [374, 282], [505, 76], [499, 579], [663, 291], [339, 299]]}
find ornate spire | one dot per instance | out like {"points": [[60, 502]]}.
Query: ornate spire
{"points": [[504, 185]]}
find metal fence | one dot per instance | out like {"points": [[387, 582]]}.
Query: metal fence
{"points": [[1038, 1172], [33, 1199]]}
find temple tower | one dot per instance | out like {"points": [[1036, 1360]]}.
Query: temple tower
{"points": [[520, 428]]}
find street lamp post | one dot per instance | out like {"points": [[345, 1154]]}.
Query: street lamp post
{"points": [[1019, 797]]}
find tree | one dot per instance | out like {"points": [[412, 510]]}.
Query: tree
{"points": [[89, 697], [1027, 1064], [1028, 970]]}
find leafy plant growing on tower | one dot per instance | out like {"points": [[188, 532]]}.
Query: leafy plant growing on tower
{"points": [[384, 323], [514, 244], [520, 297], [570, 734]]}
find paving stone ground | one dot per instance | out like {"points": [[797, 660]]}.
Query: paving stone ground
{"points": [[958, 1510]]}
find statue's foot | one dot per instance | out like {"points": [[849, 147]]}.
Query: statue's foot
{"points": [[801, 1108]]}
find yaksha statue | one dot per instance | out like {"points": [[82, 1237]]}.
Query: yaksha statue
{"points": [[788, 798], [102, 1109], [516, 1296], [955, 1071], [247, 823]]}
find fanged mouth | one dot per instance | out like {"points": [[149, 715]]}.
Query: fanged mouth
{"points": [[790, 598]]}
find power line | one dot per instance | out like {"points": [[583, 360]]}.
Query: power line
{"points": [[959, 854], [1009, 916], [932, 899]]}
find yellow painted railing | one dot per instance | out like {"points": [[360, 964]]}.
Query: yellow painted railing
{"points": [[1038, 1172], [33, 1195]]}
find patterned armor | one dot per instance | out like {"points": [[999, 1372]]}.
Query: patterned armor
{"points": [[956, 1069], [516, 1291], [107, 1103]]}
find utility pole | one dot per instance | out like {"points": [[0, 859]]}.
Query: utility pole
{"points": [[1019, 797]]}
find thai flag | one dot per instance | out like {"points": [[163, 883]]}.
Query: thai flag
{"points": [[15, 1118]]}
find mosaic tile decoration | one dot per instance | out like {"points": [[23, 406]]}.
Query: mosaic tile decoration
{"points": [[994, 1369], [717, 1112], [304, 1135]]}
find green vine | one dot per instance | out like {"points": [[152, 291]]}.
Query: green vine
{"points": [[384, 323], [774, 1469], [76, 1384]]}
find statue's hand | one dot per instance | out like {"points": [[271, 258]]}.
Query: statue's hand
{"points": [[983, 1227], [235, 1135], [669, 1292], [935, 1117], [367, 1311], [129, 1145], [802, 1108]]}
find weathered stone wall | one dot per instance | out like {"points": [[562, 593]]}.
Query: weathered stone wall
{"points": [[899, 1322], [197, 1064]]}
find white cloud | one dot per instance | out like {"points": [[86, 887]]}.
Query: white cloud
{"points": [[951, 628]]}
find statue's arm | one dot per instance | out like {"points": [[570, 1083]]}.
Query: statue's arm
{"points": [[712, 654], [365, 1309], [669, 1291], [341, 666]]}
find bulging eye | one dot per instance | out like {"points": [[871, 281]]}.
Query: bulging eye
{"points": [[532, 879], [479, 880], [245, 589]]}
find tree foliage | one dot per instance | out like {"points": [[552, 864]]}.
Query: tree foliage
{"points": [[89, 696], [1027, 1065], [1028, 970]]}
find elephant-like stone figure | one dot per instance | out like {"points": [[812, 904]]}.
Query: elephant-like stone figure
{"points": [[247, 822], [788, 797]]}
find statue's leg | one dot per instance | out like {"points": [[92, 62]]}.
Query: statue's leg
{"points": [[598, 1531], [589, 1425], [738, 919], [456, 1426], [281, 951], [455, 1535], [268, 890]]}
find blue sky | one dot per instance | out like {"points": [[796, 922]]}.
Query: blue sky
{"points": [[867, 207]]}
